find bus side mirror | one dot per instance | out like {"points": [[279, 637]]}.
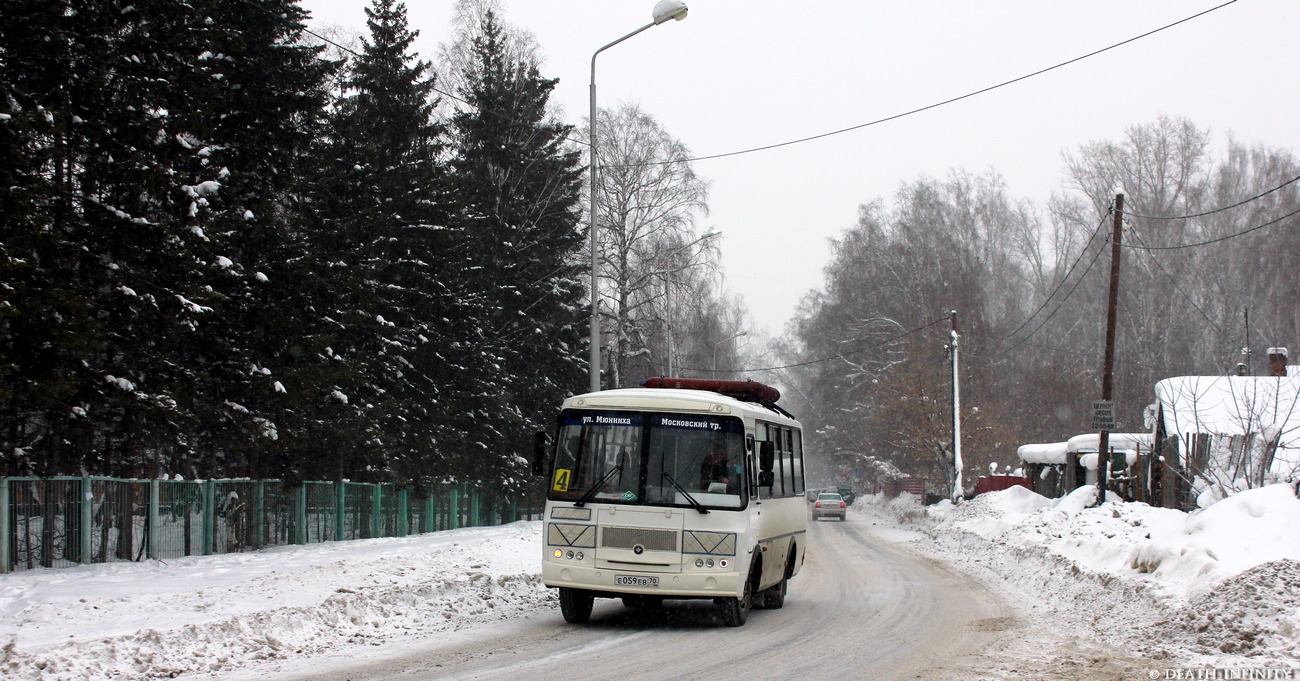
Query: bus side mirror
{"points": [[766, 479], [539, 453]]}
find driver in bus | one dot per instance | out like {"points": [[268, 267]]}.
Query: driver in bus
{"points": [[714, 470]]}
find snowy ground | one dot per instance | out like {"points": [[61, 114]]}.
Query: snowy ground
{"points": [[1219, 588], [218, 613]]}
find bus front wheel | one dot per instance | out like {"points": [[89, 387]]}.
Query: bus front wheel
{"points": [[575, 605], [736, 610]]}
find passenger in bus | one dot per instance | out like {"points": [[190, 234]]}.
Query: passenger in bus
{"points": [[622, 463], [714, 471]]}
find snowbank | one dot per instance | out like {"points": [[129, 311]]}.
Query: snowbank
{"points": [[1222, 583], [215, 613], [1220, 580]]}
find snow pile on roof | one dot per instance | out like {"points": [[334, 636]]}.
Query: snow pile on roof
{"points": [[1254, 422], [1231, 405], [1057, 453], [1089, 442], [1124, 568], [1047, 453]]}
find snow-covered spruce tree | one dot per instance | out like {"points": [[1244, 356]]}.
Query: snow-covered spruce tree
{"points": [[98, 262], [45, 323], [398, 344], [518, 187], [259, 96]]}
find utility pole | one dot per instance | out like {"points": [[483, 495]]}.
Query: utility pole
{"points": [[1243, 367], [1108, 367], [668, 307], [956, 413]]}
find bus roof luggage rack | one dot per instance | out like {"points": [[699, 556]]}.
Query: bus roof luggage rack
{"points": [[746, 391]]}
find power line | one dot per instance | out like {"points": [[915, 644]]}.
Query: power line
{"points": [[1058, 305], [1173, 281], [1270, 223], [833, 132], [878, 121], [432, 87], [1065, 348], [1059, 284], [825, 359], [1218, 210], [946, 101]]}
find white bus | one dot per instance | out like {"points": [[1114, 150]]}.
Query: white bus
{"points": [[680, 489]]}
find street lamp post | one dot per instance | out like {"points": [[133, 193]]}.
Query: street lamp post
{"points": [[724, 340], [664, 10]]}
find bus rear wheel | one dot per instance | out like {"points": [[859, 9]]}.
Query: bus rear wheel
{"points": [[575, 605], [774, 596]]}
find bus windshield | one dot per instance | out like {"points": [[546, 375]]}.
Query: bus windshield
{"points": [[654, 459]]}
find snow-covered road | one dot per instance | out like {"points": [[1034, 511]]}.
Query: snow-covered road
{"points": [[1007, 586], [860, 607]]}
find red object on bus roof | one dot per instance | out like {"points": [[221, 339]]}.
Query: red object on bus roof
{"points": [[747, 390]]}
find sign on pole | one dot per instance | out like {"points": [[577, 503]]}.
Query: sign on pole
{"points": [[1103, 415]]}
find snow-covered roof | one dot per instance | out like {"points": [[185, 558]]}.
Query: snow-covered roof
{"points": [[1057, 453], [1117, 442], [1232, 405], [1046, 452]]}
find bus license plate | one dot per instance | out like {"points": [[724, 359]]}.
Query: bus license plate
{"points": [[635, 580]]}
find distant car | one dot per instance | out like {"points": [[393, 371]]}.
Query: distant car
{"points": [[829, 505]]}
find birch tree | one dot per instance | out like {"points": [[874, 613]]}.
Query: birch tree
{"points": [[648, 201]]}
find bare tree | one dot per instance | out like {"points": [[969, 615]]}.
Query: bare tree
{"points": [[649, 198], [875, 338], [1196, 264], [1226, 434], [456, 57]]}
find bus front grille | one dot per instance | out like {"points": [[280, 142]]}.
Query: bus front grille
{"points": [[631, 537]]}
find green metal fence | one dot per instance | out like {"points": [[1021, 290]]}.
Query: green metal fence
{"points": [[63, 521]]}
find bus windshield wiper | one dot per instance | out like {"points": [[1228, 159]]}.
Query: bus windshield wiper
{"points": [[698, 506], [586, 496]]}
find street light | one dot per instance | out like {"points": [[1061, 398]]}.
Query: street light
{"points": [[664, 11], [724, 340]]}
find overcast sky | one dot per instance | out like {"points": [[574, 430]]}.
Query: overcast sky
{"points": [[738, 74]]}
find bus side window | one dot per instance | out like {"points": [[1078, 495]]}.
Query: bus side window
{"points": [[787, 462], [765, 433], [774, 433], [751, 469], [797, 448]]}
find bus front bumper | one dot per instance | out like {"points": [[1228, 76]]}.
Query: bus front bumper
{"points": [[718, 583]]}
